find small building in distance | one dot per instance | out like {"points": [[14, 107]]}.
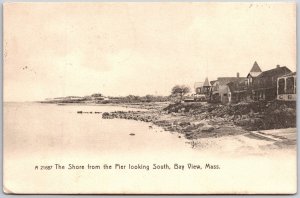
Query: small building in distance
{"points": [[202, 90], [206, 86], [220, 88], [202, 87]]}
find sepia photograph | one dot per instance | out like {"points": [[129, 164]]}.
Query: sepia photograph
{"points": [[149, 98]]}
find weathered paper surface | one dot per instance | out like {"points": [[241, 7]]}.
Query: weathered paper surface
{"points": [[76, 49]]}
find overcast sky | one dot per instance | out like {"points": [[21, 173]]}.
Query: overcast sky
{"points": [[56, 49]]}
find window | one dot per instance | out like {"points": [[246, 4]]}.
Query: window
{"points": [[225, 95], [281, 85], [290, 84]]}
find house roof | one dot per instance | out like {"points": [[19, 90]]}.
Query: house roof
{"points": [[255, 68], [212, 82], [202, 84], [238, 80], [226, 80], [290, 74], [236, 83], [279, 71], [206, 83]]}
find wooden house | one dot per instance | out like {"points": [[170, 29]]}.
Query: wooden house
{"points": [[220, 89], [286, 87], [202, 90], [264, 86], [202, 87], [238, 90]]}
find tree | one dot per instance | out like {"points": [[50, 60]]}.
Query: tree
{"points": [[180, 90], [150, 98]]}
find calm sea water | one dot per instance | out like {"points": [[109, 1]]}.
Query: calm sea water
{"points": [[48, 129]]}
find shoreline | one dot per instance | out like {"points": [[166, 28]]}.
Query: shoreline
{"points": [[198, 122], [209, 127], [191, 127], [145, 105]]}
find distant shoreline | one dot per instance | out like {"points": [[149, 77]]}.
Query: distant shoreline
{"points": [[138, 105]]}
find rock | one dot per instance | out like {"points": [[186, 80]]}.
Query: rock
{"points": [[245, 116], [244, 122], [107, 115], [207, 128], [199, 123], [190, 128], [175, 122], [183, 124]]}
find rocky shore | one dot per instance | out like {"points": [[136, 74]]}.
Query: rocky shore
{"points": [[200, 120], [190, 127]]}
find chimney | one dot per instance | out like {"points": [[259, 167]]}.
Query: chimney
{"points": [[277, 66], [238, 74]]}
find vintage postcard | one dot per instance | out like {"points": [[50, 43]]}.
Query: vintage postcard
{"points": [[149, 98]]}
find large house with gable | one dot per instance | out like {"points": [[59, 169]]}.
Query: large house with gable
{"points": [[264, 86], [241, 89], [259, 85]]}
